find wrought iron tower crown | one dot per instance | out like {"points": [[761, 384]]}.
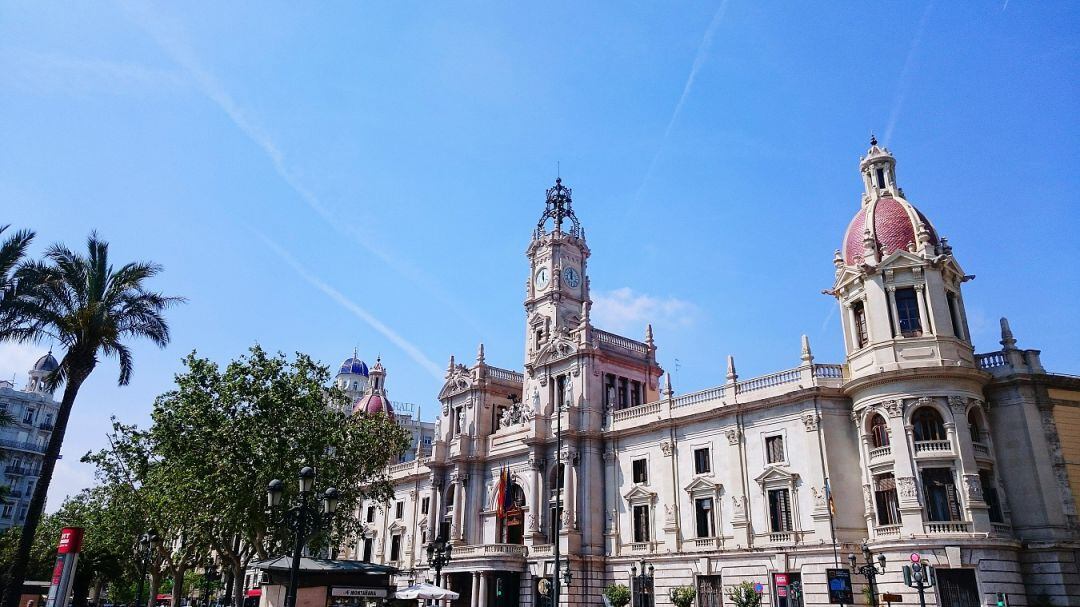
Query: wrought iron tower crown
{"points": [[558, 208]]}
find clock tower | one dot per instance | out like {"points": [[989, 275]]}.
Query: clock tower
{"points": [[557, 294]]}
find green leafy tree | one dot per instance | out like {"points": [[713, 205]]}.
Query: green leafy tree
{"points": [[221, 435], [682, 596], [12, 251], [617, 594], [90, 308], [743, 595]]}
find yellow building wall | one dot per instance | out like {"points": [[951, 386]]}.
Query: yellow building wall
{"points": [[1067, 419]]}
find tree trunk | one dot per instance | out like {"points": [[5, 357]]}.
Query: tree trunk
{"points": [[155, 587], [17, 572], [80, 588], [238, 586], [98, 585], [178, 583]]}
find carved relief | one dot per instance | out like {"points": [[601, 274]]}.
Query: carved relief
{"points": [[665, 446], [820, 499], [811, 420], [738, 507], [868, 500], [733, 436], [906, 488], [895, 408], [974, 487], [958, 405]]}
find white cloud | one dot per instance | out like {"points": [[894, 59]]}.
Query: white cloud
{"points": [[625, 311], [16, 360]]}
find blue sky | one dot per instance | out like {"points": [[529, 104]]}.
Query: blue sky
{"points": [[322, 177]]}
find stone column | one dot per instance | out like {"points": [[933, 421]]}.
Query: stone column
{"points": [[970, 484], [434, 507], [483, 589], [907, 486], [536, 510], [475, 602], [456, 530], [920, 295], [891, 291], [570, 491]]}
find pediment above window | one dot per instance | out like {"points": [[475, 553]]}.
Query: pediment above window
{"points": [[395, 527], [639, 494], [703, 485], [777, 475]]}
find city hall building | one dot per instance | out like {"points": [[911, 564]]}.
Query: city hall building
{"points": [[913, 444]]}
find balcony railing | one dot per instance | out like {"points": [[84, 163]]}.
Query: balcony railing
{"points": [[932, 446], [706, 542], [1001, 528], [782, 537], [947, 528], [880, 452], [991, 360], [505, 375], [541, 549], [767, 381], [22, 445], [980, 449], [46, 426], [18, 470], [887, 530], [483, 550], [636, 411], [640, 546]]}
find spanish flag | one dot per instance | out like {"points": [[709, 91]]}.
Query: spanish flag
{"points": [[500, 494]]}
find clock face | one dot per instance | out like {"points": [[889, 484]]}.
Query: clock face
{"points": [[572, 278], [542, 279]]}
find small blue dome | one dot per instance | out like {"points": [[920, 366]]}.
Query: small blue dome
{"points": [[354, 366], [48, 364]]}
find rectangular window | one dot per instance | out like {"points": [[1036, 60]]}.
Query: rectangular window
{"points": [[780, 510], [395, 547], [609, 391], [907, 310], [942, 499], [623, 402], [862, 336], [703, 516], [954, 315], [425, 503], [881, 178], [701, 461], [641, 470], [371, 514], [635, 393], [888, 506], [774, 449], [990, 495], [367, 549], [399, 510], [641, 523], [29, 417]]}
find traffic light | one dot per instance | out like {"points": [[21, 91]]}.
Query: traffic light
{"points": [[498, 587], [1002, 599]]}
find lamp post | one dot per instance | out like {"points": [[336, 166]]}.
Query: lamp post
{"points": [[559, 505], [438, 554], [147, 542], [210, 574], [641, 585], [302, 518], [869, 570]]}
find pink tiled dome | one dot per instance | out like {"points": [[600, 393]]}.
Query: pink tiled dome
{"points": [[895, 224], [373, 403]]}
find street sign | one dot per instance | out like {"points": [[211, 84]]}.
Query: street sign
{"points": [[780, 578], [353, 591], [915, 558], [781, 591], [67, 557], [839, 586], [889, 597], [758, 587]]}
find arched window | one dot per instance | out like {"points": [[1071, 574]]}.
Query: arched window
{"points": [[513, 522], [928, 425], [974, 428], [879, 432]]}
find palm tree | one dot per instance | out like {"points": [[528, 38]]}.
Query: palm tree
{"points": [[89, 308], [12, 251]]}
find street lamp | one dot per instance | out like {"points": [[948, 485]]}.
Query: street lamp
{"points": [[438, 555], [147, 542], [869, 570], [641, 585], [302, 518], [210, 574]]}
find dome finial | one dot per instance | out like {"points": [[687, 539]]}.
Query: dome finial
{"points": [[873, 139]]}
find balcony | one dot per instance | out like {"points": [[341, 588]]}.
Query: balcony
{"points": [[880, 452], [981, 450], [933, 447], [706, 543], [887, 531], [782, 537], [639, 546], [946, 528], [504, 555], [47, 426], [22, 445], [14, 470], [1001, 528]]}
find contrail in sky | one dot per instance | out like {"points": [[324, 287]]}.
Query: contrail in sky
{"points": [[699, 61], [905, 75], [407, 346], [169, 38]]}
